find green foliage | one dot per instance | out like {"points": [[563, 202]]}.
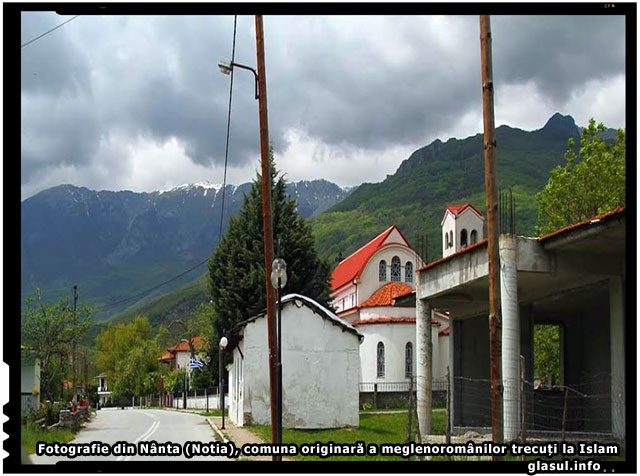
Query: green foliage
{"points": [[48, 332], [128, 354], [591, 182], [441, 174], [31, 434], [546, 353], [174, 381], [169, 306], [236, 269]]}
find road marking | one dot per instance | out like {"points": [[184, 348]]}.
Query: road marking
{"points": [[154, 426]]}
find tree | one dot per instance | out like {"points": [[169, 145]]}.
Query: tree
{"points": [[49, 332], [236, 269], [546, 353], [591, 183], [128, 354]]}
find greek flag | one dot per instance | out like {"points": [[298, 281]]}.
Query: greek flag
{"points": [[195, 363]]}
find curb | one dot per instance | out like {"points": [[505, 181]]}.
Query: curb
{"points": [[217, 431]]}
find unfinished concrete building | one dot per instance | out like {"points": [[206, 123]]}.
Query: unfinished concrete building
{"points": [[574, 279]]}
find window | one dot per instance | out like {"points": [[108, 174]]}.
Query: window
{"points": [[474, 236], [382, 271], [451, 239], [463, 238], [548, 361], [395, 269], [408, 272], [380, 359], [408, 360], [446, 241]]}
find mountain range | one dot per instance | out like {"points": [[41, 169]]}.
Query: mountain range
{"points": [[116, 244]]}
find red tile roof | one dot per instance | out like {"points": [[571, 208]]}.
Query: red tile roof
{"points": [[457, 253], [616, 212], [183, 346], [353, 265], [458, 209], [386, 294], [385, 320], [389, 320], [166, 357]]}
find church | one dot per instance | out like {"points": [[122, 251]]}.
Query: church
{"points": [[373, 289]]}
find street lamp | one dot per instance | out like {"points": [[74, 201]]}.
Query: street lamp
{"points": [[226, 67], [223, 344], [278, 281]]}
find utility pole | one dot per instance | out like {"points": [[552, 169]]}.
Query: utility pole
{"points": [[491, 188], [267, 221], [74, 354]]}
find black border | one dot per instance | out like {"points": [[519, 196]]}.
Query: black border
{"points": [[11, 194]]}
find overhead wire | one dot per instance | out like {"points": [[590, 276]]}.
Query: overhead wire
{"points": [[141, 294], [48, 31], [224, 182], [226, 151]]}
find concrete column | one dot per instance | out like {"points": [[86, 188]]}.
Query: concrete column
{"points": [[616, 322], [510, 337], [451, 370], [424, 372], [436, 372]]}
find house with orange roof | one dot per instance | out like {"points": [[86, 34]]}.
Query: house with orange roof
{"points": [[373, 289], [177, 356], [562, 302]]}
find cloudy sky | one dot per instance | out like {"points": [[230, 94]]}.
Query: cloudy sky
{"points": [[138, 103]]}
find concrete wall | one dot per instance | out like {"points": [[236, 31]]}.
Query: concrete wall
{"points": [[320, 373]]}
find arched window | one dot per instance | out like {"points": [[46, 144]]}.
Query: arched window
{"points": [[408, 272], [380, 359], [382, 271], [474, 236], [451, 239], [408, 360], [446, 241], [463, 238], [395, 269]]}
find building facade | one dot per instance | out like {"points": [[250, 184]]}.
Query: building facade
{"points": [[374, 290], [320, 369]]}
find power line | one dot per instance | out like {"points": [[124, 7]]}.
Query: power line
{"points": [[49, 31], [147, 291], [226, 152], [141, 294]]}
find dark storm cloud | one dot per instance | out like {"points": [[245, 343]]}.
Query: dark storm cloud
{"points": [[357, 83], [560, 54]]}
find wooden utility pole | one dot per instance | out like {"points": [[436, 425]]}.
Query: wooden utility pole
{"points": [[491, 188], [267, 222]]}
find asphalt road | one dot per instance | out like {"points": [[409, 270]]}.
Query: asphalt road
{"points": [[112, 425]]}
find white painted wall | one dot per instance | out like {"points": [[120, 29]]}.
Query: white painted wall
{"points": [[30, 376], [395, 338], [468, 220], [387, 311], [369, 280], [320, 373]]}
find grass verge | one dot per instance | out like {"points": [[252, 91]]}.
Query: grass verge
{"points": [[374, 428], [31, 434]]}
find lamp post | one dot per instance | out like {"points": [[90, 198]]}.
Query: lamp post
{"points": [[278, 281], [221, 347]]}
